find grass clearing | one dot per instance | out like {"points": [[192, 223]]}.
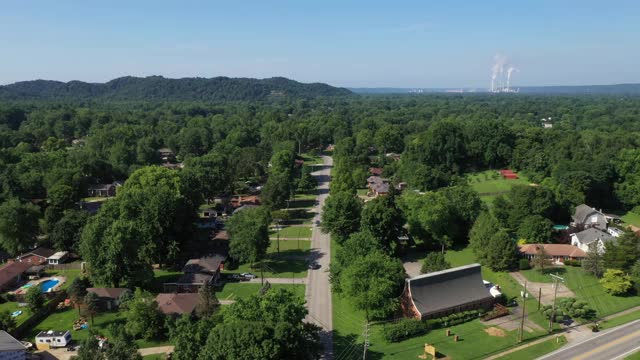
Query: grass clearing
{"points": [[162, 276], [537, 350], [303, 232], [619, 320], [63, 320], [233, 291], [276, 268], [310, 159], [631, 218], [489, 184], [588, 289], [290, 247]]}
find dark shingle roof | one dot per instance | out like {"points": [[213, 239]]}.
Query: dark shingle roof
{"points": [[582, 212], [108, 293], [206, 264], [177, 303], [42, 252], [9, 343], [442, 290], [592, 234]]}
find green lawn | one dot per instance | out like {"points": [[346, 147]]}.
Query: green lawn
{"points": [[290, 247], [362, 192], [292, 232], [94, 199], [63, 320], [631, 218], [588, 289], [312, 159], [619, 320], [232, 291], [154, 357], [276, 268], [70, 275], [635, 356], [303, 201], [490, 181], [13, 306], [535, 351]]}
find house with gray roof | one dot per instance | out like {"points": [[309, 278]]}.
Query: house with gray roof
{"points": [[11, 348], [585, 239], [587, 217], [445, 292]]}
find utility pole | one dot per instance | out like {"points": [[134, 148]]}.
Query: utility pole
{"points": [[539, 297], [556, 280], [366, 340], [524, 305]]}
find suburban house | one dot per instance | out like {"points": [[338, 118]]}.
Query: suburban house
{"points": [[166, 154], [378, 186], [46, 340], [36, 256], [444, 292], [11, 274], [585, 238], [58, 258], [557, 253], [587, 217], [393, 156], [238, 201], [109, 298], [198, 273], [101, 190], [178, 304], [172, 166], [11, 348], [375, 171], [34, 271]]}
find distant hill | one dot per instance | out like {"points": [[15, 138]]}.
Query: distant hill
{"points": [[617, 89], [161, 88]]}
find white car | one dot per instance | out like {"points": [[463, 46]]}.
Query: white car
{"points": [[249, 276]]}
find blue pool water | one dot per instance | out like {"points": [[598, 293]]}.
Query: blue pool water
{"points": [[46, 286]]}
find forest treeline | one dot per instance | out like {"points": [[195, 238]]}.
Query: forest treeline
{"points": [[51, 152], [158, 88]]}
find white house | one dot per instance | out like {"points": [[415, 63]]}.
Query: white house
{"points": [[585, 238], [52, 339], [10, 348], [58, 258], [586, 217]]}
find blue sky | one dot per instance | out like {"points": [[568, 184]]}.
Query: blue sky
{"points": [[344, 43]]}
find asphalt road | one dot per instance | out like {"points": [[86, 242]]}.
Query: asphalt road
{"points": [[318, 291], [616, 343]]}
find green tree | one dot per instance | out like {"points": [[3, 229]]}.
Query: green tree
{"points": [[121, 345], [616, 282], [18, 225], [481, 234], [242, 340], [341, 215], [91, 303], [34, 298], [357, 246], [66, 233], [78, 290], [383, 219], [622, 253], [7, 322], [540, 259], [89, 349], [144, 319], [208, 303], [249, 230], [373, 284], [535, 229], [190, 336], [594, 262], [502, 252], [435, 261]]}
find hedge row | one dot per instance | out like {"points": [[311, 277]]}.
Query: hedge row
{"points": [[455, 319], [404, 329]]}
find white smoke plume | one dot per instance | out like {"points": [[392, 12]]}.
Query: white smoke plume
{"points": [[501, 72]]}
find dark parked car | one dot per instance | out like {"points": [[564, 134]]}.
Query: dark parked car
{"points": [[314, 265]]}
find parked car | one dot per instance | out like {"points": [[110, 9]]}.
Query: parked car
{"points": [[314, 265], [249, 276]]}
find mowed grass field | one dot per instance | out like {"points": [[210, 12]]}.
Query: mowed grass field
{"points": [[588, 289], [537, 350], [489, 184], [631, 218]]}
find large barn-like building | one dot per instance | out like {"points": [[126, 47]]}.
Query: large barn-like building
{"points": [[445, 292]]}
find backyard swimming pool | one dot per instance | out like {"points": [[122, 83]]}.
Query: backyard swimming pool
{"points": [[47, 285]]}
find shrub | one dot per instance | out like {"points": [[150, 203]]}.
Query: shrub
{"points": [[404, 329], [523, 264], [570, 262]]}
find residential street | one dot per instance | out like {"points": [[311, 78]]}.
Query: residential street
{"points": [[318, 290], [611, 344]]}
